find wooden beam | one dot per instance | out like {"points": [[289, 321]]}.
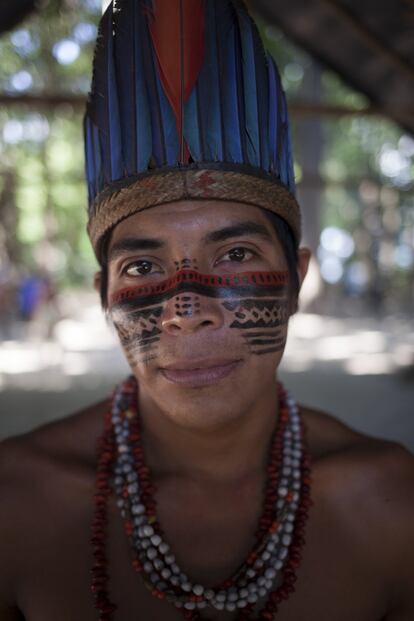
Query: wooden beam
{"points": [[301, 109], [370, 39], [44, 100], [297, 108]]}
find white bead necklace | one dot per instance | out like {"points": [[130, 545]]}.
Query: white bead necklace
{"points": [[253, 581]]}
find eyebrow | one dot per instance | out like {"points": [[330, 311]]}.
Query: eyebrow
{"points": [[238, 229], [133, 244]]}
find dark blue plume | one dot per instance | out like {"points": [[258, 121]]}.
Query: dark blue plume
{"points": [[273, 115], [126, 71], [290, 177], [209, 97], [250, 90], [124, 44], [89, 158], [143, 129], [235, 114], [193, 127], [284, 155], [149, 70], [106, 89], [169, 125], [226, 42]]}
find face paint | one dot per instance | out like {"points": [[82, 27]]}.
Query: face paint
{"points": [[185, 264], [187, 305], [255, 304]]}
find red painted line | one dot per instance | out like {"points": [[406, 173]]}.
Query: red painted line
{"points": [[210, 280]]}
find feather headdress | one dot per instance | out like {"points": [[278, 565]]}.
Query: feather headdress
{"points": [[184, 104]]}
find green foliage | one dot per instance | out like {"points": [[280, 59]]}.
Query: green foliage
{"points": [[43, 147]]}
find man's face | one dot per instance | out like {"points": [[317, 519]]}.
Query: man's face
{"points": [[199, 294]]}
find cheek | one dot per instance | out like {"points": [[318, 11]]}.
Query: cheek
{"points": [[262, 323], [139, 332]]}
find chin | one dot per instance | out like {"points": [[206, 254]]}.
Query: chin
{"points": [[203, 416], [207, 407]]}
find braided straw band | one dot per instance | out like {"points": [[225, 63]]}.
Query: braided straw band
{"points": [[116, 203]]}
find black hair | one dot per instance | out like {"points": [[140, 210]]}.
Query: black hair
{"points": [[283, 233], [290, 249]]}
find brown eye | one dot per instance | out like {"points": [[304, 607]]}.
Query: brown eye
{"points": [[138, 268], [237, 254]]}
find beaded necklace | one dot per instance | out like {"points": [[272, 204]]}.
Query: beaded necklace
{"points": [[269, 572]]}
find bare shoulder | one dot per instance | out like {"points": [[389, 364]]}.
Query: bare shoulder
{"points": [[386, 467], [366, 485], [41, 473], [63, 444]]}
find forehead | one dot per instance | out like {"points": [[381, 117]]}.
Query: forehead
{"points": [[189, 220]]}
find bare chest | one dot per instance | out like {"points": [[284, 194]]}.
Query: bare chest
{"points": [[335, 579]]}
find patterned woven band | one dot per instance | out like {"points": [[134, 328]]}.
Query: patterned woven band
{"points": [[115, 204]]}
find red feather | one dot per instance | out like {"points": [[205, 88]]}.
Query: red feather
{"points": [[177, 31]]}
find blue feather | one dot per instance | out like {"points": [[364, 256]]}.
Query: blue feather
{"points": [[192, 126], [262, 95], [273, 115], [104, 101], [97, 104], [240, 96], [89, 159], [126, 73], [208, 92], [149, 69], [216, 120], [250, 89], [215, 127], [114, 123], [162, 120], [236, 112], [160, 114], [284, 164], [143, 135], [229, 85], [100, 180], [169, 125], [288, 148], [280, 126]]}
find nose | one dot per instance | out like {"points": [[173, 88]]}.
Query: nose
{"points": [[185, 314]]}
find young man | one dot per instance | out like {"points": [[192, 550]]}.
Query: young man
{"points": [[212, 496]]}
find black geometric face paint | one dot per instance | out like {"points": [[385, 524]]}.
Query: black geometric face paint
{"points": [[255, 304], [186, 264]]}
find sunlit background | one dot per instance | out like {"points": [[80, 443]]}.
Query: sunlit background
{"points": [[351, 347]]}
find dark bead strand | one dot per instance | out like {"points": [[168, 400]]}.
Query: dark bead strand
{"points": [[295, 553], [265, 522], [105, 463], [99, 582], [273, 470]]}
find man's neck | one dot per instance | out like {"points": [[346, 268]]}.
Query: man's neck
{"points": [[227, 453]]}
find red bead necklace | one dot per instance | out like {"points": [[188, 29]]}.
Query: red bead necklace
{"points": [[267, 523]]}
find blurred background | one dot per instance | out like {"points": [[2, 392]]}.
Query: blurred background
{"points": [[348, 70]]}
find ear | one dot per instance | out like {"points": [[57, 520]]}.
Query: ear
{"points": [[97, 279], [304, 255]]}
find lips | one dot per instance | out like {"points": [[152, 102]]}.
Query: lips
{"points": [[199, 372]]}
